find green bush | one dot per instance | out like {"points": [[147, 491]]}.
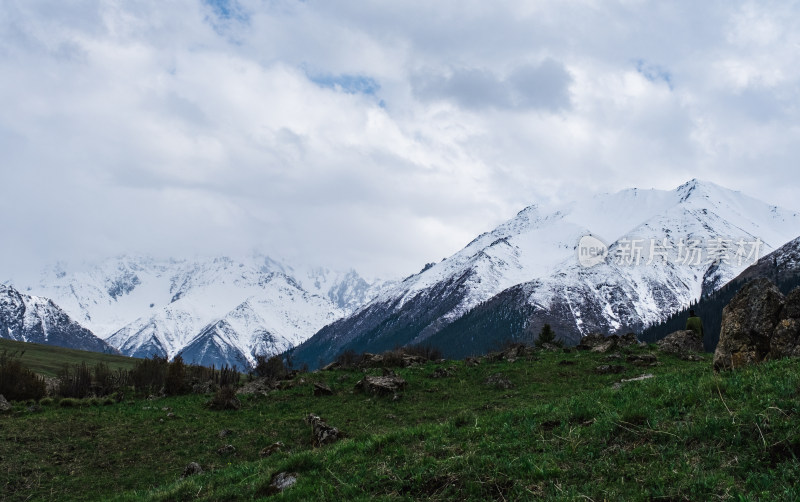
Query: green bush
{"points": [[18, 383]]}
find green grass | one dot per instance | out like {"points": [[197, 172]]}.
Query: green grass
{"points": [[562, 433], [48, 359]]}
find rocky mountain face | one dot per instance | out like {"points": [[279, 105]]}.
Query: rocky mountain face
{"points": [[28, 318], [665, 249], [211, 311]]}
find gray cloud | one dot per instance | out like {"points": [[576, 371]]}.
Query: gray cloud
{"points": [[380, 136], [544, 86]]}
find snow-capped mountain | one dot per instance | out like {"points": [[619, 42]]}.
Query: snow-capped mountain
{"points": [[527, 272], [28, 318], [212, 311]]}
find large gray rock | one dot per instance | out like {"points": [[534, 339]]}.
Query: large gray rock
{"points": [[748, 324], [786, 339], [681, 343], [381, 385]]}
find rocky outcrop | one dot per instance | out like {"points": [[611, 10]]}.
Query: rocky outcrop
{"points": [[381, 385], [597, 342], [758, 324], [322, 432], [681, 343]]}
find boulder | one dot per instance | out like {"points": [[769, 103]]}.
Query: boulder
{"points": [[681, 343], [381, 385], [227, 449], [280, 482], [471, 361], [642, 359], [271, 449], [331, 366], [192, 469], [499, 381], [322, 432], [606, 369], [748, 324], [321, 389], [5, 406], [597, 342], [785, 341]]}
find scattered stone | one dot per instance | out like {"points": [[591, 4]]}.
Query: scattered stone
{"points": [[597, 342], [381, 385], [280, 482], [192, 469], [342, 378], [642, 359], [171, 415], [682, 343], [321, 389], [614, 357], [748, 324], [5, 406], [225, 399], [228, 449], [331, 366], [443, 372], [224, 433], [259, 386], [35, 408], [269, 450], [206, 387], [166, 408], [322, 432], [471, 361], [551, 347], [606, 369], [397, 397], [499, 381]]}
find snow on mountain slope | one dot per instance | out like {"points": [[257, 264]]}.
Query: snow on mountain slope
{"points": [[539, 251], [145, 306], [28, 318]]}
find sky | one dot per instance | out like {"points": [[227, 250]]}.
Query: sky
{"points": [[372, 135]]}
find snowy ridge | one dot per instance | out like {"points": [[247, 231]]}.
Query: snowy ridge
{"points": [[33, 319], [252, 305], [535, 253]]}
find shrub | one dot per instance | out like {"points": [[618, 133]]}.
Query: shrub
{"points": [[18, 383], [272, 368], [427, 351], [148, 374], [349, 359], [75, 382], [228, 376], [46, 401], [175, 381], [69, 402], [225, 399]]}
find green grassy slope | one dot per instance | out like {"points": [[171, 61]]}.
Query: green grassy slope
{"points": [[48, 359], [562, 432]]}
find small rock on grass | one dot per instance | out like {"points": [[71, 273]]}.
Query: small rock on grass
{"points": [[192, 469]]}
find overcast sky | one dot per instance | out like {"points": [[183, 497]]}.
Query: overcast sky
{"points": [[373, 135]]}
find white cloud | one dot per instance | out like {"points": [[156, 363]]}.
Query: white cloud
{"points": [[379, 136]]}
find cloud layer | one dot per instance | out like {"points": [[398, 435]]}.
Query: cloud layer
{"points": [[366, 134]]}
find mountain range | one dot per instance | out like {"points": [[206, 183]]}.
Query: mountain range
{"points": [[507, 283], [211, 311], [651, 253]]}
